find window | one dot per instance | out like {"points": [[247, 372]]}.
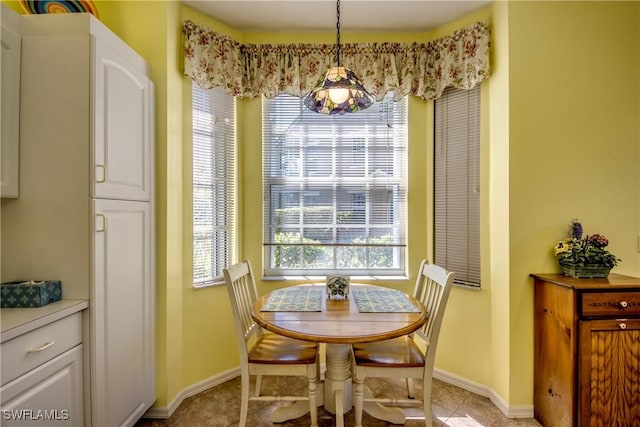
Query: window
{"points": [[214, 178], [457, 183], [335, 189]]}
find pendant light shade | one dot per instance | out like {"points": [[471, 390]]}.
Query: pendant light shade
{"points": [[341, 91]]}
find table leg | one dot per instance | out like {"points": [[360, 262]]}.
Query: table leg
{"points": [[337, 381]]}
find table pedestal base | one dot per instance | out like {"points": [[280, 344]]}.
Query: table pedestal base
{"points": [[336, 393], [337, 380]]}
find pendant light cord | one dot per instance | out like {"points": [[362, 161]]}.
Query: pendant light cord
{"points": [[338, 31]]}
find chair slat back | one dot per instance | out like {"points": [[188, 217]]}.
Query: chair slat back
{"points": [[433, 286], [242, 294]]}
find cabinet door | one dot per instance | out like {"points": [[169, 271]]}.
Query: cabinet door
{"points": [[609, 372], [122, 127], [122, 317], [555, 354], [49, 395], [10, 108]]}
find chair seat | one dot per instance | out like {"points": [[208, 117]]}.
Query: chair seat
{"points": [[276, 349], [399, 352]]}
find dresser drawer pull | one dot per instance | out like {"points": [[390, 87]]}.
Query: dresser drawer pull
{"points": [[623, 325], [42, 347], [624, 304]]}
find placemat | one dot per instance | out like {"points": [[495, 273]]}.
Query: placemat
{"points": [[383, 301], [294, 299]]}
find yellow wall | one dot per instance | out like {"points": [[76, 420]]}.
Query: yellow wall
{"points": [[561, 139], [574, 145], [498, 215]]}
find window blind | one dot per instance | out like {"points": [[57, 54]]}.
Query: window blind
{"points": [[457, 183], [214, 191], [335, 189]]}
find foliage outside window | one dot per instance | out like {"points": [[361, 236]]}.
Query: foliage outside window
{"points": [[335, 189]]}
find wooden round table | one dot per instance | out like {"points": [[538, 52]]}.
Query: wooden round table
{"points": [[338, 324]]}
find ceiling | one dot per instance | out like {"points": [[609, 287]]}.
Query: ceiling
{"points": [[320, 15]]}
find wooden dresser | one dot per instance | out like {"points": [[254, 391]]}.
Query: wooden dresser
{"points": [[587, 351]]}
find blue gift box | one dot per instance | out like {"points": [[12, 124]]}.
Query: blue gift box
{"points": [[29, 293]]}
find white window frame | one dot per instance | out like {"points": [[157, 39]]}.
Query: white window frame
{"points": [[214, 184], [308, 159]]}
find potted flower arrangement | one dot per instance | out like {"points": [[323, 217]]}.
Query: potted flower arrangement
{"points": [[584, 256]]}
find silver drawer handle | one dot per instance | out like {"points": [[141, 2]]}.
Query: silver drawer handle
{"points": [[624, 304], [42, 347], [623, 325]]}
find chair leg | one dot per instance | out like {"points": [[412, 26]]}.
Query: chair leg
{"points": [[426, 402], [244, 402], [427, 413], [312, 376], [410, 393], [358, 394], [258, 389]]}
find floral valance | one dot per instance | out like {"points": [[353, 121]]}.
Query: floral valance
{"points": [[421, 69]]}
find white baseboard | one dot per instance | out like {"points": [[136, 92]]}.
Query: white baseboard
{"points": [[520, 411], [163, 412]]}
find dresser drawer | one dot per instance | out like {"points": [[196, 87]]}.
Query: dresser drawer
{"points": [[610, 304], [34, 348]]}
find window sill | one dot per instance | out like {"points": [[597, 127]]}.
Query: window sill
{"points": [[354, 279], [208, 284]]}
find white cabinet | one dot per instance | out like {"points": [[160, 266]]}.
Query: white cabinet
{"points": [[122, 260], [10, 107], [42, 375], [48, 395], [85, 212], [122, 126]]}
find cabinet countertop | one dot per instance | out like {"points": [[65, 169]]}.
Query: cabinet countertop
{"points": [[613, 282], [18, 321]]}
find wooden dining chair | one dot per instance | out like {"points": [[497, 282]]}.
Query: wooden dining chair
{"points": [[266, 353], [410, 356]]}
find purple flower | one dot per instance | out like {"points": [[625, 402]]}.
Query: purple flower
{"points": [[576, 230]]}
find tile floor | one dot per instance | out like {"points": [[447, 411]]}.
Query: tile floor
{"points": [[452, 406]]}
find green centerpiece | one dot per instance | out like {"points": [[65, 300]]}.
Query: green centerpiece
{"points": [[584, 256]]}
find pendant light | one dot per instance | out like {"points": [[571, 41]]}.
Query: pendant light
{"points": [[341, 91]]}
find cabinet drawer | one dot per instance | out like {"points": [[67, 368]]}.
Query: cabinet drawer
{"points": [[610, 303], [49, 395], [34, 348]]}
